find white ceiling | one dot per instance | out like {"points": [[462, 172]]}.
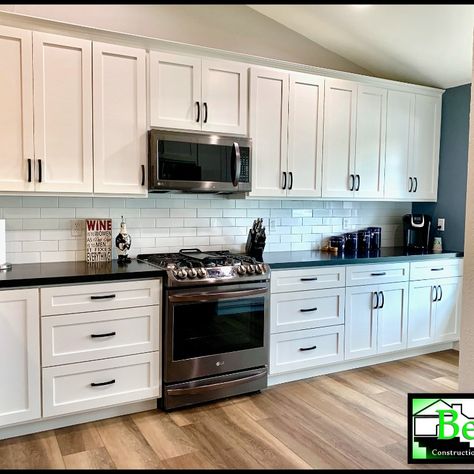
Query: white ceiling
{"points": [[424, 44]]}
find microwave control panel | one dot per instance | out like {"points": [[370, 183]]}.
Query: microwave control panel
{"points": [[244, 165]]}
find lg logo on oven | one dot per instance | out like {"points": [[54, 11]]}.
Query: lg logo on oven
{"points": [[218, 364]]}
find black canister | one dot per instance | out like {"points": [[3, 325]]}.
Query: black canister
{"points": [[351, 242], [375, 237], [363, 240], [337, 242]]}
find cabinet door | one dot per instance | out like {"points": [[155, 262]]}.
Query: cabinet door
{"points": [[175, 91], [421, 312], [62, 113], [20, 395], [119, 119], [361, 322], [392, 318], [424, 163], [400, 112], [224, 97], [448, 309], [305, 135], [370, 142], [340, 99], [16, 111], [268, 130]]}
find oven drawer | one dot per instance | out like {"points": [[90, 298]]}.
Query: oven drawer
{"points": [[82, 337], [68, 389], [442, 268], [307, 279], [375, 274], [305, 349], [99, 296], [306, 309]]}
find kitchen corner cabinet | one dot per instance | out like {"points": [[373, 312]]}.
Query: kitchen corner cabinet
{"points": [[20, 395], [119, 119], [191, 93]]}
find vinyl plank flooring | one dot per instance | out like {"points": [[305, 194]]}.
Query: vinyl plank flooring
{"points": [[75, 439], [98, 458]]}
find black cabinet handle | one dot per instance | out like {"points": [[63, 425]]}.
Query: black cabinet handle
{"points": [[143, 175], [108, 334], [29, 170], [290, 186], [104, 297], [352, 178], [308, 310], [376, 295], [378, 274], [40, 172], [284, 182], [440, 293], [435, 289], [383, 299], [416, 184], [411, 185], [308, 348], [358, 182], [100, 384], [437, 269], [309, 279], [205, 112], [199, 111]]}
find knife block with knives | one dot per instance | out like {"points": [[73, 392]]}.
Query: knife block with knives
{"points": [[256, 240]]}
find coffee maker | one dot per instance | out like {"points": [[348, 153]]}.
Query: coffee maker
{"points": [[416, 232]]}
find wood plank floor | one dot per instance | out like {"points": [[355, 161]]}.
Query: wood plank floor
{"points": [[354, 419]]}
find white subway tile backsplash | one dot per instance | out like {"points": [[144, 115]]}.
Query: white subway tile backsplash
{"points": [[197, 203], [63, 212], [75, 202], [183, 231], [22, 235], [89, 212], [22, 212], [236, 212], [195, 241], [63, 256], [39, 201], [302, 213], [141, 203], [24, 257], [209, 212], [182, 212], [108, 202], [197, 222], [10, 201], [41, 224], [155, 213], [41, 245]]}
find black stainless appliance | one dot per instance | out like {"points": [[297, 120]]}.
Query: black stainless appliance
{"points": [[198, 163], [215, 325], [416, 231]]}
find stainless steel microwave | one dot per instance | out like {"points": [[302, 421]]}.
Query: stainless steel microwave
{"points": [[192, 162]]}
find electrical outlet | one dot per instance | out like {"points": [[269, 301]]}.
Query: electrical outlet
{"points": [[345, 223], [272, 224], [77, 228], [441, 224]]}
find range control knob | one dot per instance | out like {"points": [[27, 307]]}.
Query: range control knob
{"points": [[241, 270], [181, 274], [201, 272], [250, 269], [259, 268], [192, 273]]}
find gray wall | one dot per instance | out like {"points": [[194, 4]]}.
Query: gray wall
{"points": [[235, 28], [452, 168]]}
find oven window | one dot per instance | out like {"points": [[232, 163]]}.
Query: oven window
{"points": [[217, 327]]}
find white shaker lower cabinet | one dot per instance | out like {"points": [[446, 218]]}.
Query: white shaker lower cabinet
{"points": [[20, 392]]}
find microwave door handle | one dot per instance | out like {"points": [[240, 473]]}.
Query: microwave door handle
{"points": [[215, 295], [236, 163]]}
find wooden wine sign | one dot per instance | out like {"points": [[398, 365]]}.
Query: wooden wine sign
{"points": [[98, 240]]}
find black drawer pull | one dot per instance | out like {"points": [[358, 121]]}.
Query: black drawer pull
{"points": [[143, 175], [437, 269], [309, 279], [100, 384], [379, 274], [308, 310], [108, 334], [104, 297], [308, 348]]}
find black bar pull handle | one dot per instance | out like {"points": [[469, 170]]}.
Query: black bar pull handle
{"points": [[290, 186], [383, 299], [108, 334], [309, 279], [284, 180], [29, 170], [416, 184], [440, 269], [40, 172], [358, 182], [102, 297], [308, 310], [100, 384], [434, 289], [440, 293], [411, 184], [205, 112], [378, 274], [351, 186], [143, 175], [375, 295], [308, 348], [199, 111]]}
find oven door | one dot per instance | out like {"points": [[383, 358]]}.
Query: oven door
{"points": [[215, 330]]}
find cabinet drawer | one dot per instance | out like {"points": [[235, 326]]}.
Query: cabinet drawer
{"points": [[69, 389], [323, 346], [307, 279], [99, 296], [97, 335], [306, 309], [376, 273], [427, 269]]}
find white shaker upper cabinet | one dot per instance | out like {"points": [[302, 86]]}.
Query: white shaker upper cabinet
{"points": [[268, 130], [340, 99], [62, 113], [20, 394], [224, 97], [370, 142], [119, 119], [16, 111], [175, 91], [305, 135]]}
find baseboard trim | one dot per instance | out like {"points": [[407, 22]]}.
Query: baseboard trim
{"points": [[354, 364], [76, 419]]}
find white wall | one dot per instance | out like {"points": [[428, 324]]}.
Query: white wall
{"points": [[235, 28], [39, 228]]}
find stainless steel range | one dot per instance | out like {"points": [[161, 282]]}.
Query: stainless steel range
{"points": [[215, 325]]}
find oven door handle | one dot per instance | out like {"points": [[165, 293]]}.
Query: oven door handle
{"points": [[215, 386], [215, 295]]}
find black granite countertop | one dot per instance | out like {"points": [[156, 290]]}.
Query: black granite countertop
{"points": [[37, 274], [312, 258]]}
